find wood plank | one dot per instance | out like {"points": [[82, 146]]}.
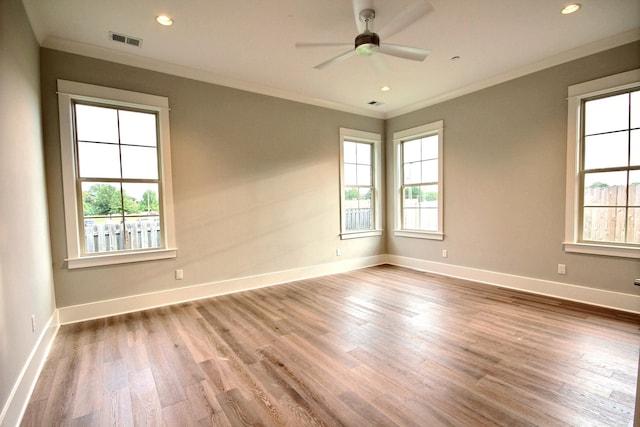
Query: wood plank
{"points": [[377, 346], [145, 403]]}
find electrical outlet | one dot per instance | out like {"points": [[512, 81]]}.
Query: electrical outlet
{"points": [[562, 269], [179, 274], [33, 323], [445, 253], [338, 252]]}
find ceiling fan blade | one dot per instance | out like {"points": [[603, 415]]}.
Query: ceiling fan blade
{"points": [[336, 59], [411, 14], [323, 44], [406, 52], [358, 6]]}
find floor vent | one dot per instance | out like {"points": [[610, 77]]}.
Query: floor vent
{"points": [[121, 38]]}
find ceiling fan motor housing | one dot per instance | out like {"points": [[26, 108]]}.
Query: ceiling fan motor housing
{"points": [[367, 43]]}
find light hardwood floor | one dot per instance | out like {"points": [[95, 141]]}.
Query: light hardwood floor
{"points": [[378, 346]]}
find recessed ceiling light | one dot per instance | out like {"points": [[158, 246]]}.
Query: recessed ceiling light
{"points": [[570, 8], [385, 88], [164, 20]]}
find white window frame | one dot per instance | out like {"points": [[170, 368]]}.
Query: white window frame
{"points": [[68, 92], [376, 141], [576, 94], [435, 128]]}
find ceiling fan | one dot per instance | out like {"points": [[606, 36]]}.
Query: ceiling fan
{"points": [[367, 42]]}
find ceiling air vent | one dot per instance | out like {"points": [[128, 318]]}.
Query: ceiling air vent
{"points": [[121, 38], [375, 103]]}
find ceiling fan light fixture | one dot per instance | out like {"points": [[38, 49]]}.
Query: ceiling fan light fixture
{"points": [[367, 44], [571, 8], [164, 20]]}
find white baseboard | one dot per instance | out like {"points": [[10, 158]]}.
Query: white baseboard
{"points": [[597, 297], [99, 309], [18, 400]]}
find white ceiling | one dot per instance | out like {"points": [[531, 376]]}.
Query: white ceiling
{"points": [[250, 44]]}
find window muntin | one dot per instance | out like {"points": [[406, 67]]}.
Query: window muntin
{"points": [[360, 183], [584, 163], [419, 181], [116, 168], [610, 169]]}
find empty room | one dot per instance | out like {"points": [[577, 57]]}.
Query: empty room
{"points": [[347, 212]]}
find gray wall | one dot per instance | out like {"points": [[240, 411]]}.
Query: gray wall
{"points": [[26, 285], [504, 171], [255, 180]]}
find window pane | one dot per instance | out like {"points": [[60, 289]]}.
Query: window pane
{"points": [[143, 232], [605, 189], [635, 109], [429, 196], [364, 153], [412, 173], [104, 235], [350, 175], [98, 160], [608, 178], [141, 198], [358, 209], [364, 206], [607, 150], [365, 196], [138, 128], [411, 197], [607, 114], [430, 171], [430, 147], [101, 199], [364, 175], [139, 162], [96, 124], [349, 152], [420, 219], [429, 219], [635, 146], [634, 188], [351, 194], [410, 218], [604, 224], [633, 226], [358, 219], [411, 151]]}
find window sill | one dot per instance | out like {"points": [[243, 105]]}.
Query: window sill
{"points": [[605, 250], [120, 258], [359, 234], [429, 235]]}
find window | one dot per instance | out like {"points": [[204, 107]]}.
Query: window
{"points": [[360, 182], [603, 169], [116, 175], [419, 184]]}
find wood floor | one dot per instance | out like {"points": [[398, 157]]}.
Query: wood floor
{"points": [[379, 346]]}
